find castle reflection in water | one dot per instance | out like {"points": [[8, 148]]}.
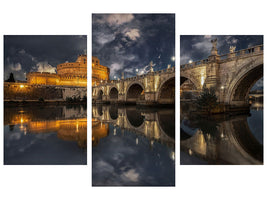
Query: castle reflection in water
{"points": [[59, 127]]}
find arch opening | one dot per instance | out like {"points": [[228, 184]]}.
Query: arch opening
{"points": [[188, 89], [114, 93], [240, 92], [167, 92], [134, 93], [100, 95]]}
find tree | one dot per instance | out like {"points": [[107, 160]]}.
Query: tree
{"points": [[11, 78], [207, 100]]}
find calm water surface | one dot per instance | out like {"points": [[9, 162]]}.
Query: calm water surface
{"points": [[133, 147], [45, 135], [234, 140]]}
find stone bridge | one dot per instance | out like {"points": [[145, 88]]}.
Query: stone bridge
{"points": [[155, 126], [231, 142], [231, 75], [148, 89]]}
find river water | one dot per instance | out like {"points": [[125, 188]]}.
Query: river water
{"points": [[233, 140], [50, 135], [133, 146]]}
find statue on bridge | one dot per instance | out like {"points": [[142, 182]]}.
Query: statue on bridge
{"points": [[151, 66], [214, 47], [232, 49]]}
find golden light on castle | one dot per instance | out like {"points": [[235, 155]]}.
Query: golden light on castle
{"points": [[68, 74], [99, 72]]}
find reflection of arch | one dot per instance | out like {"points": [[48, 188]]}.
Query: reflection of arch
{"points": [[100, 95], [244, 136], [134, 117], [166, 121], [234, 133], [113, 93], [99, 110], [167, 90], [134, 91], [113, 112], [242, 83]]}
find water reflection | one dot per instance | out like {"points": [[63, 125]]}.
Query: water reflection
{"points": [[45, 135], [133, 146], [222, 139]]}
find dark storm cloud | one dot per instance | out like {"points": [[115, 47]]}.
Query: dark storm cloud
{"points": [[126, 42], [23, 54], [198, 47]]}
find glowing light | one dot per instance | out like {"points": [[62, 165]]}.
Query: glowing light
{"points": [[21, 120], [136, 141], [190, 61], [114, 132], [115, 77], [222, 87], [190, 152], [173, 155], [136, 70], [21, 86], [173, 58], [77, 127], [202, 80]]}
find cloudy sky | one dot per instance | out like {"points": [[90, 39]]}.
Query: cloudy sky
{"points": [[23, 54], [198, 47], [127, 42]]}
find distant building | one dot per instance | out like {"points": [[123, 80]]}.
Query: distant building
{"points": [[69, 81], [99, 72], [68, 74]]}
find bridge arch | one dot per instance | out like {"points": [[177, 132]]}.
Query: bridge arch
{"points": [[100, 94], [240, 86], [134, 91], [184, 77], [166, 91], [113, 93]]}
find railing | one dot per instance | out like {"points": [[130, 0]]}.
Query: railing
{"points": [[244, 52], [195, 64]]}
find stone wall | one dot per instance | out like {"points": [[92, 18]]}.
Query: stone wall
{"points": [[25, 91]]}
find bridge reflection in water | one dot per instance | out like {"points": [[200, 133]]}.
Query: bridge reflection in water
{"points": [[133, 147], [39, 136], [225, 140]]}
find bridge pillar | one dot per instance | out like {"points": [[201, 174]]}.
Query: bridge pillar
{"points": [[121, 98]]}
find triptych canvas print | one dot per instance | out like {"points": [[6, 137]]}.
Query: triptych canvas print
{"points": [[134, 134]]}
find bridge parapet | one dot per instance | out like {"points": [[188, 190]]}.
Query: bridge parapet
{"points": [[199, 63], [243, 53]]}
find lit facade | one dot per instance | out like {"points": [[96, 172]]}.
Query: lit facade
{"points": [[68, 74], [99, 72]]}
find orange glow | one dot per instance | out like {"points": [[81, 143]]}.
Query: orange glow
{"points": [[98, 131]]}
